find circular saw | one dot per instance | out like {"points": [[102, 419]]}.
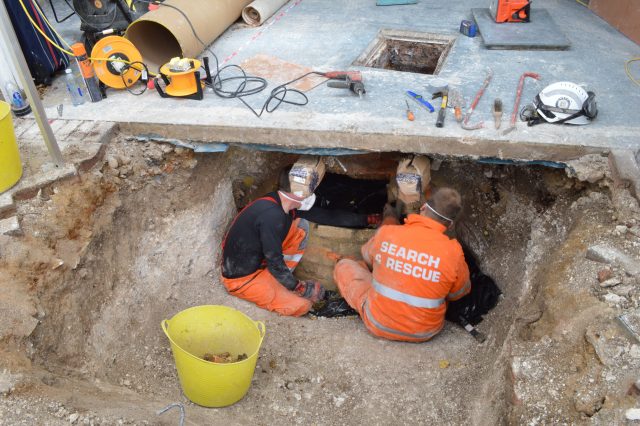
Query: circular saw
{"points": [[566, 102]]}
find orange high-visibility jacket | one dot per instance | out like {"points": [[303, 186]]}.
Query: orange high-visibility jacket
{"points": [[416, 269]]}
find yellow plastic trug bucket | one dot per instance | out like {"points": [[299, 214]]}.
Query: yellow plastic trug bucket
{"points": [[10, 165], [212, 329]]}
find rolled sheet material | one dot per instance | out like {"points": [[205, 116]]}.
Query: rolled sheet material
{"points": [[164, 33], [260, 10]]}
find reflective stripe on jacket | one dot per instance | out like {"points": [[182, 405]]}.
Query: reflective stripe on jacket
{"points": [[416, 269]]}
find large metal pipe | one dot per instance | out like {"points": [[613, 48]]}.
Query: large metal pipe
{"points": [[165, 33]]}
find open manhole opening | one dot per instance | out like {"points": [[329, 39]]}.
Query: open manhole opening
{"points": [[407, 51]]}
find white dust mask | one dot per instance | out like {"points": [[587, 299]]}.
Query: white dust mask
{"points": [[307, 203]]}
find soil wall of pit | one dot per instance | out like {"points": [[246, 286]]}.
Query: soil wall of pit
{"points": [[139, 240]]}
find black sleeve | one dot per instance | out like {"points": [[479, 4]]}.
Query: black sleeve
{"points": [[339, 218], [271, 227]]}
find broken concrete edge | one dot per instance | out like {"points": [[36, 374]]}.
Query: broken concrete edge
{"points": [[104, 140], [211, 147], [622, 163], [365, 142], [29, 187]]}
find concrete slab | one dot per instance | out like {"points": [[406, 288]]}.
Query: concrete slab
{"points": [[542, 33], [330, 35]]}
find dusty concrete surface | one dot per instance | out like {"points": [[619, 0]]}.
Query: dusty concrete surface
{"points": [[336, 118], [105, 257], [93, 257]]}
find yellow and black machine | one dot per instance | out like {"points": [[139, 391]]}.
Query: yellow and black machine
{"points": [[181, 78], [102, 17]]}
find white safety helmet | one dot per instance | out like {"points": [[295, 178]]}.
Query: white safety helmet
{"points": [[566, 102]]}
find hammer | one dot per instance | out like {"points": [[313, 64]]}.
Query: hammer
{"points": [[444, 94]]}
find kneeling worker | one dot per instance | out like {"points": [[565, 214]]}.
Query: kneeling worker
{"points": [[264, 245], [416, 270]]}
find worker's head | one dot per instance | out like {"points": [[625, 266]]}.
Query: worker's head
{"points": [[444, 206], [297, 201]]}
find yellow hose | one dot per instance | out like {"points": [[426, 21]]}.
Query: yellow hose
{"points": [[57, 46], [35, 3], [26, 12], [628, 71]]}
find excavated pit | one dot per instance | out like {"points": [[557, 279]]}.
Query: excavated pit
{"points": [[140, 241]]}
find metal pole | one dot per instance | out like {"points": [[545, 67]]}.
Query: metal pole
{"points": [[11, 40]]}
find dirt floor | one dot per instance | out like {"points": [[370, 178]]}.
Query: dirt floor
{"points": [[104, 258]]}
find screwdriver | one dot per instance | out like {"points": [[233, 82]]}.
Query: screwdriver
{"points": [[410, 115]]}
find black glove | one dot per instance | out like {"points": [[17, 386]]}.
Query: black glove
{"points": [[312, 290]]}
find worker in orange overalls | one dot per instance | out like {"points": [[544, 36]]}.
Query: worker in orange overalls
{"points": [[416, 270], [262, 248]]}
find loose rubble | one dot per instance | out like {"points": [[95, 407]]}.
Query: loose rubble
{"points": [[101, 260]]}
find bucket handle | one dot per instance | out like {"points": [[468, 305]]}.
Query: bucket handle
{"points": [[261, 328], [165, 325]]}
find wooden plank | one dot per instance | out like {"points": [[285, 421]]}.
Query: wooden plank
{"points": [[624, 15]]}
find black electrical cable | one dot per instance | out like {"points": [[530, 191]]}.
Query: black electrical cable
{"points": [[144, 79], [55, 15], [248, 85]]}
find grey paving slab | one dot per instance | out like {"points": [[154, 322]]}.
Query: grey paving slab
{"points": [[330, 34], [541, 33]]}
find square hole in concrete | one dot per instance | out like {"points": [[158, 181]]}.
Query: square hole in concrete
{"points": [[407, 51]]}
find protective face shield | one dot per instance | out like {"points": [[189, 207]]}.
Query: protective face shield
{"points": [[566, 102], [307, 203]]}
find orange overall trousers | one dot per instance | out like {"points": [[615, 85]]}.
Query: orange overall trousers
{"points": [[417, 269], [264, 290]]}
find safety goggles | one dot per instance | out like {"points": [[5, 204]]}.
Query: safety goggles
{"points": [[589, 109]]}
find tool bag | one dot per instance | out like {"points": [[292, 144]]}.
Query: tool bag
{"points": [[42, 57], [483, 297]]}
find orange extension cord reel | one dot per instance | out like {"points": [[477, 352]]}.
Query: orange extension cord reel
{"points": [[181, 77], [117, 62]]}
